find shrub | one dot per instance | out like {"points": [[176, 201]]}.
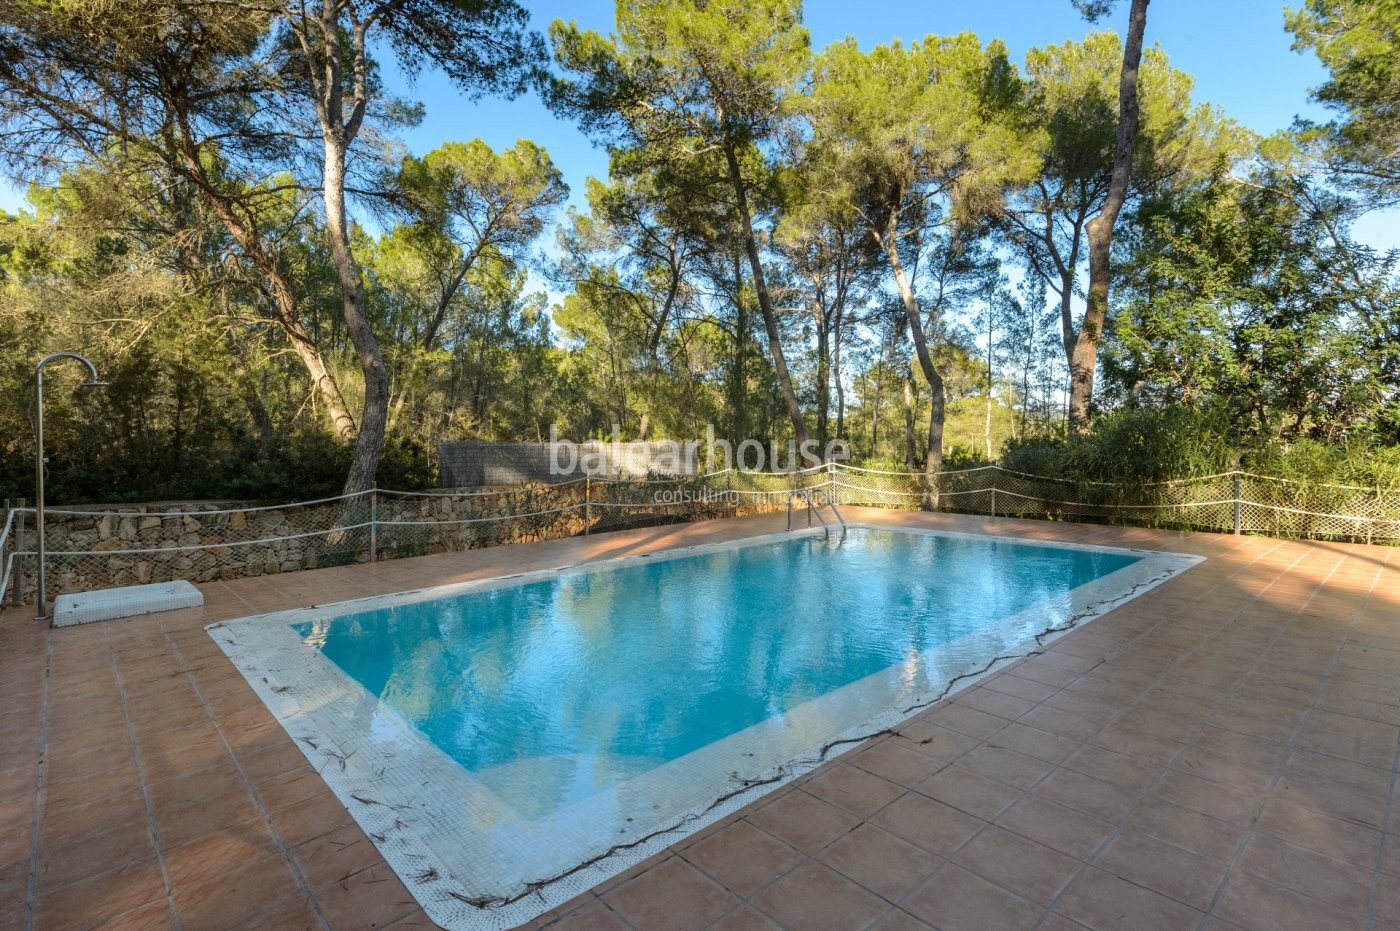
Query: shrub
{"points": [[1132, 447], [1358, 462], [1141, 446]]}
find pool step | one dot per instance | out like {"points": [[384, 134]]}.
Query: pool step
{"points": [[112, 603]]}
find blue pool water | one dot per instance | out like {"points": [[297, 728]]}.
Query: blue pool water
{"points": [[588, 678]]}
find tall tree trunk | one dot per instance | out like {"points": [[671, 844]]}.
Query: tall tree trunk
{"points": [[278, 290], [449, 291], [738, 377], [619, 385], [364, 462], [910, 459], [914, 317], [339, 128], [284, 303], [836, 376], [662, 318], [875, 407], [937, 415], [987, 426], [1068, 335], [823, 377], [1026, 385], [654, 349], [1100, 229], [765, 303]]}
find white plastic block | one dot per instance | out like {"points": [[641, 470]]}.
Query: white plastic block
{"points": [[111, 603]]}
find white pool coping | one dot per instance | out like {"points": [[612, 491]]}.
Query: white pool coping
{"points": [[434, 822]]}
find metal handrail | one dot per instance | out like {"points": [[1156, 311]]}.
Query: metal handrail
{"points": [[804, 493], [831, 503], [812, 507], [7, 559]]}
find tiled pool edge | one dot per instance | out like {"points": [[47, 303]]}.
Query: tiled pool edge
{"points": [[377, 806]]}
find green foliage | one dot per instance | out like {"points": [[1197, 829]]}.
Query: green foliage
{"points": [[643, 341], [1358, 42], [880, 463], [1358, 462], [464, 199], [1140, 446], [1071, 114], [682, 74], [1131, 447], [1244, 296], [927, 118], [695, 90]]}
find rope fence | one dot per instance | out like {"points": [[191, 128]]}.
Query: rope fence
{"points": [[91, 548]]}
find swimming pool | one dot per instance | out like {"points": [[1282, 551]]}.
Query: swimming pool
{"points": [[491, 736]]}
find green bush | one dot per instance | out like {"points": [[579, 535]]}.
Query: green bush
{"points": [[1137, 447], [1360, 463], [1036, 456], [1132, 447], [964, 457], [881, 464]]}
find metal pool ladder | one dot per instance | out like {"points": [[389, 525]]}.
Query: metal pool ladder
{"points": [[814, 508]]}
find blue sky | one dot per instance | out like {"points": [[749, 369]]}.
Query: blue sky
{"points": [[1237, 50]]}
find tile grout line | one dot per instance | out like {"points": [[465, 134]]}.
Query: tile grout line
{"points": [[247, 780], [1248, 833], [233, 590], [1087, 864], [241, 599], [151, 828], [812, 857], [33, 880], [649, 542], [1389, 800], [1386, 838], [1120, 650]]}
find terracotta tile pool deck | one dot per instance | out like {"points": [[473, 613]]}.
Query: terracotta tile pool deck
{"points": [[1220, 752]]}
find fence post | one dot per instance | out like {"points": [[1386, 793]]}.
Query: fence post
{"points": [[8, 508], [17, 582], [1370, 525], [994, 497], [374, 523], [587, 502], [1236, 476]]}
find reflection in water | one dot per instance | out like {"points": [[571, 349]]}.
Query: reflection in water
{"points": [[554, 690]]}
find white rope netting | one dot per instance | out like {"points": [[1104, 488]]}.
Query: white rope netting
{"points": [[95, 548]]}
